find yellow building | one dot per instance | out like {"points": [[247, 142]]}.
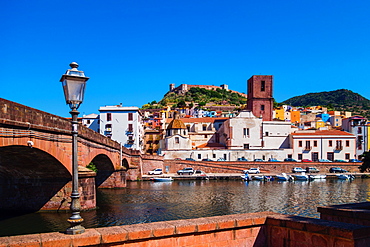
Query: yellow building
{"points": [[279, 113]]}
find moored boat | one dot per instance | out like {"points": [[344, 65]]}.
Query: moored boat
{"points": [[318, 176], [284, 177], [246, 177], [169, 179], [345, 177], [302, 176]]}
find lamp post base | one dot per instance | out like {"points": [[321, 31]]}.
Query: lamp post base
{"points": [[75, 227]]}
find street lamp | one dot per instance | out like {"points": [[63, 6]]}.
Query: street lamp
{"points": [[74, 83]]}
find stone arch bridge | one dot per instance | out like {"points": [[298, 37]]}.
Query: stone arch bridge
{"points": [[36, 161]]}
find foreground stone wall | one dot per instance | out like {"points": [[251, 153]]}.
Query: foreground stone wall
{"points": [[254, 229]]}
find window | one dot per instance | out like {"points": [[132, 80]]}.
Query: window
{"points": [[359, 130], [214, 156], [266, 133], [109, 116], [347, 156], [130, 128], [339, 145], [262, 107], [263, 86], [246, 132], [88, 121], [330, 143], [300, 144], [315, 156], [204, 127], [177, 140], [199, 156], [315, 143], [347, 143], [246, 146], [225, 156], [299, 156], [130, 116], [308, 145], [330, 156], [188, 127]]}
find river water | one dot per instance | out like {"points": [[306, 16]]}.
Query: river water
{"points": [[143, 202]]}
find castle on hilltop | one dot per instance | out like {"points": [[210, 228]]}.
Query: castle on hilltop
{"points": [[183, 88]]}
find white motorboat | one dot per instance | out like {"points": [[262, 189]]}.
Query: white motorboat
{"points": [[302, 176], [246, 177], [257, 177], [345, 177], [169, 179], [284, 177], [318, 176]]}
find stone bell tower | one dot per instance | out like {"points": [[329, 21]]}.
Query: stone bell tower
{"points": [[260, 100]]}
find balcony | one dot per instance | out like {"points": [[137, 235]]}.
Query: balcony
{"points": [[338, 148], [131, 141], [307, 148]]}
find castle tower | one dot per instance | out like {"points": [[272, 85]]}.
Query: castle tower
{"points": [[260, 100], [172, 87]]}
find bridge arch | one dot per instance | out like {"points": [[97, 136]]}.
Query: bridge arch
{"points": [[29, 178]]}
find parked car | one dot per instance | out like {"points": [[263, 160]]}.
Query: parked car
{"points": [[312, 170], [298, 170], [273, 160], [354, 160], [324, 160], [342, 161], [242, 159], [290, 160], [207, 159], [157, 171], [190, 159], [258, 160], [200, 173], [186, 171], [306, 160], [252, 171], [221, 159], [337, 170]]}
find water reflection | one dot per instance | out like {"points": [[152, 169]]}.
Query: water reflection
{"points": [[144, 202]]}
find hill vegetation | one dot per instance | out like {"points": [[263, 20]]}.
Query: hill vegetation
{"points": [[200, 97], [339, 100]]}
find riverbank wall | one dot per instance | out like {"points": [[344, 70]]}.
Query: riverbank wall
{"points": [[266, 229]]}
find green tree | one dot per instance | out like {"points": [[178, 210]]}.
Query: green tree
{"points": [[365, 162]]}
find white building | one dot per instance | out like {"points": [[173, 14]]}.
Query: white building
{"points": [[176, 137], [91, 121], [322, 144], [122, 124]]}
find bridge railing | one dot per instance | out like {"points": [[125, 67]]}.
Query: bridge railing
{"points": [[20, 116]]}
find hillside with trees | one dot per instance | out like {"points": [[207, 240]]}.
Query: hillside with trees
{"points": [[199, 97], [339, 100]]}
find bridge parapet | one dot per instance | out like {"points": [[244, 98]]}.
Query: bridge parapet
{"points": [[24, 117]]}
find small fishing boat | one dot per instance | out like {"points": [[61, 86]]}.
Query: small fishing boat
{"points": [[318, 176], [246, 177], [259, 178], [169, 179], [302, 177], [345, 177], [284, 177]]}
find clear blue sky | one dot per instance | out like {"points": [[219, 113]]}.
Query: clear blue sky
{"points": [[133, 50]]}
